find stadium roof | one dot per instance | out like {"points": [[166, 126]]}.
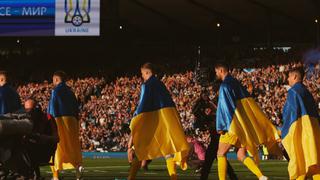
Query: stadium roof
{"points": [[287, 20], [185, 22]]}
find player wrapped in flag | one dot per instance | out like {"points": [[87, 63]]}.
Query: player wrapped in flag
{"points": [[155, 128], [301, 129]]}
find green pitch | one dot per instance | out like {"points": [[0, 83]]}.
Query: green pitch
{"points": [[105, 169]]}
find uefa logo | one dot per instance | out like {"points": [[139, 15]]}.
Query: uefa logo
{"points": [[77, 11]]}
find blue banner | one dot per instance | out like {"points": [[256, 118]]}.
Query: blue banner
{"points": [[49, 17], [104, 155], [27, 17], [123, 155]]}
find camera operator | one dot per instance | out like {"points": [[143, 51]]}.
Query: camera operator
{"points": [[9, 103], [42, 142], [204, 111]]}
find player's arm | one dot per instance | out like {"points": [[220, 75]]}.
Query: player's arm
{"points": [[130, 149], [221, 132], [130, 142]]}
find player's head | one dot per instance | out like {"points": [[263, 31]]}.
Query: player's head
{"points": [[221, 70], [147, 70], [29, 105], [3, 78], [58, 77], [295, 75]]}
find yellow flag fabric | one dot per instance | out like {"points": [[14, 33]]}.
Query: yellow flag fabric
{"points": [[68, 154], [159, 133], [240, 116], [302, 145], [301, 132], [253, 128]]}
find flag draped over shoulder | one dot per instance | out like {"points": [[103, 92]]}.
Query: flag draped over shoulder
{"points": [[63, 107], [9, 100], [156, 127], [301, 131], [63, 102], [238, 114]]}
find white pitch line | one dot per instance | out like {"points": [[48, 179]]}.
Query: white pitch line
{"points": [[101, 167], [275, 177], [100, 171], [113, 167], [150, 173]]}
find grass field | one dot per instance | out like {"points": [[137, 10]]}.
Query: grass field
{"points": [[118, 169]]}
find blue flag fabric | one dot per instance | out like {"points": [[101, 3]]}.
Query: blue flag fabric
{"points": [[63, 102], [299, 103], [154, 96], [230, 92], [9, 100]]}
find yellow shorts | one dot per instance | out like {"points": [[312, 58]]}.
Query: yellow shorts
{"points": [[230, 139]]}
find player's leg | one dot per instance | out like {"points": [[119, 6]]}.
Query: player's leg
{"points": [[222, 160], [135, 166], [145, 164], [55, 173], [211, 155], [171, 166], [247, 161], [79, 172]]}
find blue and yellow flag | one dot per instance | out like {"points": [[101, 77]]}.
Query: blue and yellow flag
{"points": [[156, 127], [239, 115], [301, 131], [63, 107], [9, 100]]}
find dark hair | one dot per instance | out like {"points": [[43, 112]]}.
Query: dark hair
{"points": [[149, 66], [61, 74], [31, 98], [4, 73], [222, 65], [299, 71]]}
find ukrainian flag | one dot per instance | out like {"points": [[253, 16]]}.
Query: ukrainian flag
{"points": [[156, 127], [301, 131], [63, 107], [240, 116]]}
